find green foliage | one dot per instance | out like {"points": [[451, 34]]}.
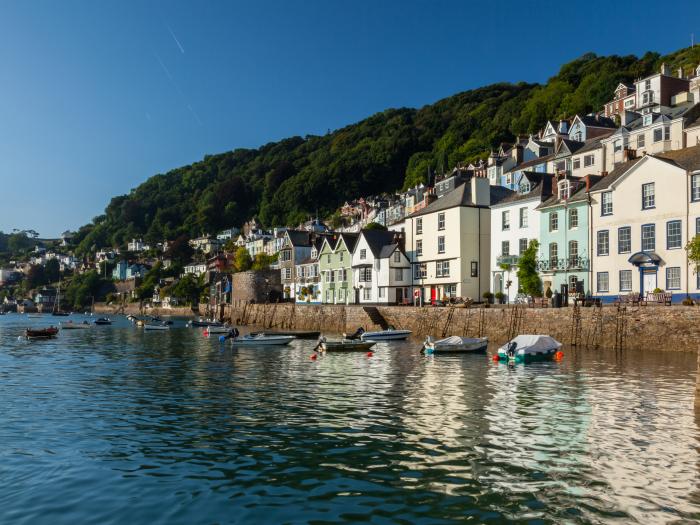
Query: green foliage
{"points": [[285, 182], [241, 260], [529, 279], [52, 270], [263, 261], [188, 288], [36, 276], [375, 226], [150, 281], [693, 249], [82, 288]]}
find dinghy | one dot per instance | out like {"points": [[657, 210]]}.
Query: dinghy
{"points": [[298, 334], [344, 345], [262, 340], [41, 333], [455, 345], [70, 325], [103, 321], [390, 334], [201, 323], [528, 348], [211, 330]]}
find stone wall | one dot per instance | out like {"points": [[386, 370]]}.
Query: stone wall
{"points": [[675, 328], [256, 286]]}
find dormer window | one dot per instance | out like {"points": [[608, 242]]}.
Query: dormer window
{"points": [[647, 119], [564, 189]]}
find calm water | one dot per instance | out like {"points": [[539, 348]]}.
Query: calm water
{"points": [[113, 425]]}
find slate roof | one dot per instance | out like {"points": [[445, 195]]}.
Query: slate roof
{"points": [[615, 174], [597, 122], [299, 237], [578, 196], [540, 187], [350, 240], [686, 158], [572, 145], [593, 143], [533, 162], [378, 239]]}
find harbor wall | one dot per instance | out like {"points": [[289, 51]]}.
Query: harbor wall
{"points": [[675, 328], [134, 309]]}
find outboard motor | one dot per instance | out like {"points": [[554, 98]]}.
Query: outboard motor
{"points": [[356, 335], [512, 347]]}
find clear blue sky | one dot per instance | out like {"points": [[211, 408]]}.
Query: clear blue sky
{"points": [[97, 96]]}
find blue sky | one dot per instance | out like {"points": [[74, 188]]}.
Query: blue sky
{"points": [[95, 97]]}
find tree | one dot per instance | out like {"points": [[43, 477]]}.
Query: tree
{"points": [[375, 226], [35, 277], [52, 270], [150, 280], [82, 289], [180, 250], [529, 279], [187, 288], [693, 249], [241, 260], [263, 261]]}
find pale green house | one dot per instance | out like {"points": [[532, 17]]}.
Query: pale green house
{"points": [[335, 267]]}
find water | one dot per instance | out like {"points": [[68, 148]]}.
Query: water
{"points": [[114, 425]]}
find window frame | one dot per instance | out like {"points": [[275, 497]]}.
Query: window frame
{"points": [[620, 281], [573, 214], [606, 208], [505, 248], [441, 221], [606, 234], [653, 229], [651, 196], [419, 225], [668, 284], [553, 221], [679, 243], [599, 289], [441, 240], [523, 217], [695, 187], [629, 239], [505, 220]]}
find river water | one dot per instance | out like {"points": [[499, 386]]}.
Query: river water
{"points": [[114, 425]]}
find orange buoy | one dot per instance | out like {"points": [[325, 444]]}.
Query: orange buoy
{"points": [[559, 355], [206, 333], [369, 354], [314, 357], [495, 358]]}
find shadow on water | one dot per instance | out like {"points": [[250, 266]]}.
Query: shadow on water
{"points": [[116, 425]]}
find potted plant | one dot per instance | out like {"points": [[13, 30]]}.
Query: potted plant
{"points": [[658, 290], [500, 297], [488, 297]]}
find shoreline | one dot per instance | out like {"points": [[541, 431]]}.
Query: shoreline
{"points": [[133, 309]]}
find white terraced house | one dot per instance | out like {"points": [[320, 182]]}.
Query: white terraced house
{"points": [[381, 270], [642, 216]]}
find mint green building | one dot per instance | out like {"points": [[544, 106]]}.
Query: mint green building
{"points": [[335, 267]]}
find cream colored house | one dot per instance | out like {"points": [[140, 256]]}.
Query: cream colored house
{"points": [[448, 242], [642, 216]]}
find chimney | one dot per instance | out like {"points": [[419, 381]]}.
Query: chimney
{"points": [[680, 72], [517, 152], [603, 173], [665, 69], [628, 154], [481, 191]]}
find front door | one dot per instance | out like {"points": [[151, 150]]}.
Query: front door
{"points": [[399, 295], [433, 294], [648, 282]]}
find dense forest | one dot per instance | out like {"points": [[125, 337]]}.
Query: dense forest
{"points": [[285, 182]]}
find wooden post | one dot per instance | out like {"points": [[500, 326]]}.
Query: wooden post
{"points": [[697, 387]]}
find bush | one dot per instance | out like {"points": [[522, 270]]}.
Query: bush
{"points": [[688, 302], [500, 296], [658, 290], [487, 295], [548, 294]]}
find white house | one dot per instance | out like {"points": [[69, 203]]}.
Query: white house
{"points": [[642, 216], [137, 245], [381, 270], [448, 242], [195, 268], [514, 223]]}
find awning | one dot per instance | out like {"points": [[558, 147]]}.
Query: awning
{"points": [[640, 258]]}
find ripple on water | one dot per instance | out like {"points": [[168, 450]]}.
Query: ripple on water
{"points": [[115, 425]]}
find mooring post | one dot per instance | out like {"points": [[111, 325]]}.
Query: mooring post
{"points": [[697, 386]]}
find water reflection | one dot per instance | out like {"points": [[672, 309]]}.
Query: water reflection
{"points": [[114, 425]]}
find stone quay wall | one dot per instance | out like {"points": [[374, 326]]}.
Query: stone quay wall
{"points": [[674, 328], [135, 309]]}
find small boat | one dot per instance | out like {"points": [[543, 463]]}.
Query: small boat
{"points": [[455, 345], [58, 313], [41, 333], [153, 326], [262, 340], [211, 330], [345, 345], [391, 334], [158, 320], [201, 323], [298, 334], [527, 348], [103, 321]]}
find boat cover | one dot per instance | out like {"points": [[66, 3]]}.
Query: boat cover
{"points": [[533, 344], [457, 340]]}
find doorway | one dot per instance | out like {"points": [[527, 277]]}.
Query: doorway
{"points": [[649, 283]]}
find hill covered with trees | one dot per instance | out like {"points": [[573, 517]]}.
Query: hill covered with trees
{"points": [[284, 182]]}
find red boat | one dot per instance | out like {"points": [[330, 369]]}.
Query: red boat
{"points": [[42, 333]]}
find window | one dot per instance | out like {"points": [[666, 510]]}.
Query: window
{"points": [[382, 292], [523, 215], [441, 221], [617, 145], [624, 239], [667, 132], [695, 188], [288, 273], [640, 140], [573, 218], [286, 255], [505, 220], [419, 247], [577, 163], [606, 205], [341, 256], [328, 296], [398, 274], [363, 253], [421, 271], [366, 294], [697, 226], [648, 237], [451, 290], [673, 278], [588, 160], [603, 281], [419, 226], [441, 244], [475, 269], [505, 248], [625, 280], [673, 235], [522, 246], [553, 221], [648, 196], [442, 269], [658, 134], [603, 242], [397, 256], [573, 252], [553, 254], [365, 275]]}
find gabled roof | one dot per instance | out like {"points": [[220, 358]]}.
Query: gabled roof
{"points": [[592, 121], [299, 237], [540, 187], [578, 196], [378, 239], [533, 162], [614, 175], [594, 143], [686, 158], [350, 239], [570, 146]]}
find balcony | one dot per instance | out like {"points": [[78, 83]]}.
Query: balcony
{"points": [[575, 263], [510, 260]]}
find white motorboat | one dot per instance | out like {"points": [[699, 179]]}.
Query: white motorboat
{"points": [[385, 335], [527, 348], [456, 344], [151, 326], [211, 330], [262, 340]]}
